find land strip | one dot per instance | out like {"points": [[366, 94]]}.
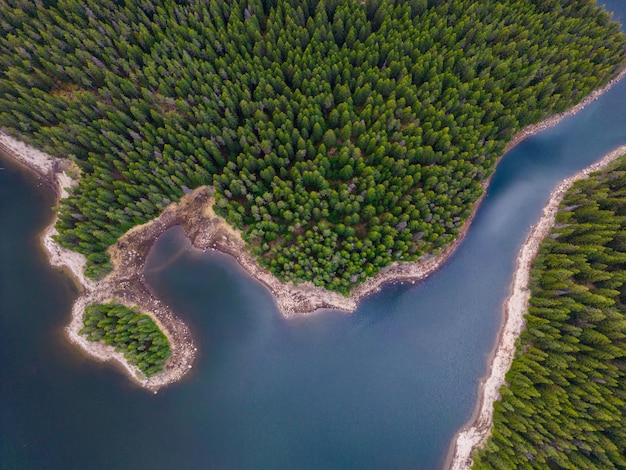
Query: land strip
{"points": [[476, 432]]}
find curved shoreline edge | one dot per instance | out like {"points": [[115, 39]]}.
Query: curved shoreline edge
{"points": [[475, 434], [206, 230], [125, 285]]}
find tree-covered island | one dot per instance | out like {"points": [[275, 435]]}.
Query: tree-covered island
{"points": [[340, 136]]}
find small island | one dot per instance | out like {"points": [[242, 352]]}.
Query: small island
{"points": [[331, 146]]}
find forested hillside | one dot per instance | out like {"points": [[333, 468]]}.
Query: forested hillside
{"points": [[564, 406], [340, 135]]}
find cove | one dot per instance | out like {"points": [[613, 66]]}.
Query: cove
{"points": [[386, 387]]}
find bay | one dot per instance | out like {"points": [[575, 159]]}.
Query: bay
{"points": [[385, 387]]}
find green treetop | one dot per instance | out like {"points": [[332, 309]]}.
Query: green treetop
{"points": [[341, 136]]}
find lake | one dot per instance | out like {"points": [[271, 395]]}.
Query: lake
{"points": [[385, 387]]}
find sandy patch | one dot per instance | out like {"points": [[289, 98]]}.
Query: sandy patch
{"points": [[42, 163]]}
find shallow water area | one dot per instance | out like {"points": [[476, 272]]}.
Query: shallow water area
{"points": [[385, 387]]}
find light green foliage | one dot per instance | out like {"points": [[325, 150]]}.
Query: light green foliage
{"points": [[564, 405], [133, 334], [340, 135]]}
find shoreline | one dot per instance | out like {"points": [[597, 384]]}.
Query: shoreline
{"points": [[115, 286], [319, 298], [474, 434], [552, 121], [205, 231]]}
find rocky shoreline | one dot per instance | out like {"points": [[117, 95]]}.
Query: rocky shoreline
{"points": [[124, 285], [475, 434], [208, 231]]}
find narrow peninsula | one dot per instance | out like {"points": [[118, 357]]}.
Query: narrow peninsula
{"points": [[509, 353], [563, 404], [331, 146]]}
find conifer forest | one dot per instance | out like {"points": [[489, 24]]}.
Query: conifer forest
{"points": [[129, 332], [340, 136], [564, 402]]}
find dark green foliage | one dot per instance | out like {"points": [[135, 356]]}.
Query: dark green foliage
{"points": [[340, 135], [564, 406], [130, 333]]}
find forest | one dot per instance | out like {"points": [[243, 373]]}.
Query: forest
{"points": [[564, 402], [131, 333], [340, 136]]}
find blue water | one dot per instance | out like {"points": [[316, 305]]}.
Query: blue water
{"points": [[386, 387]]}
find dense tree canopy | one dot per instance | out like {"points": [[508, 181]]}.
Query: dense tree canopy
{"points": [[340, 136], [131, 333], [564, 405]]}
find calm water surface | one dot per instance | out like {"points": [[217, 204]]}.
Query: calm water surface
{"points": [[386, 387]]}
